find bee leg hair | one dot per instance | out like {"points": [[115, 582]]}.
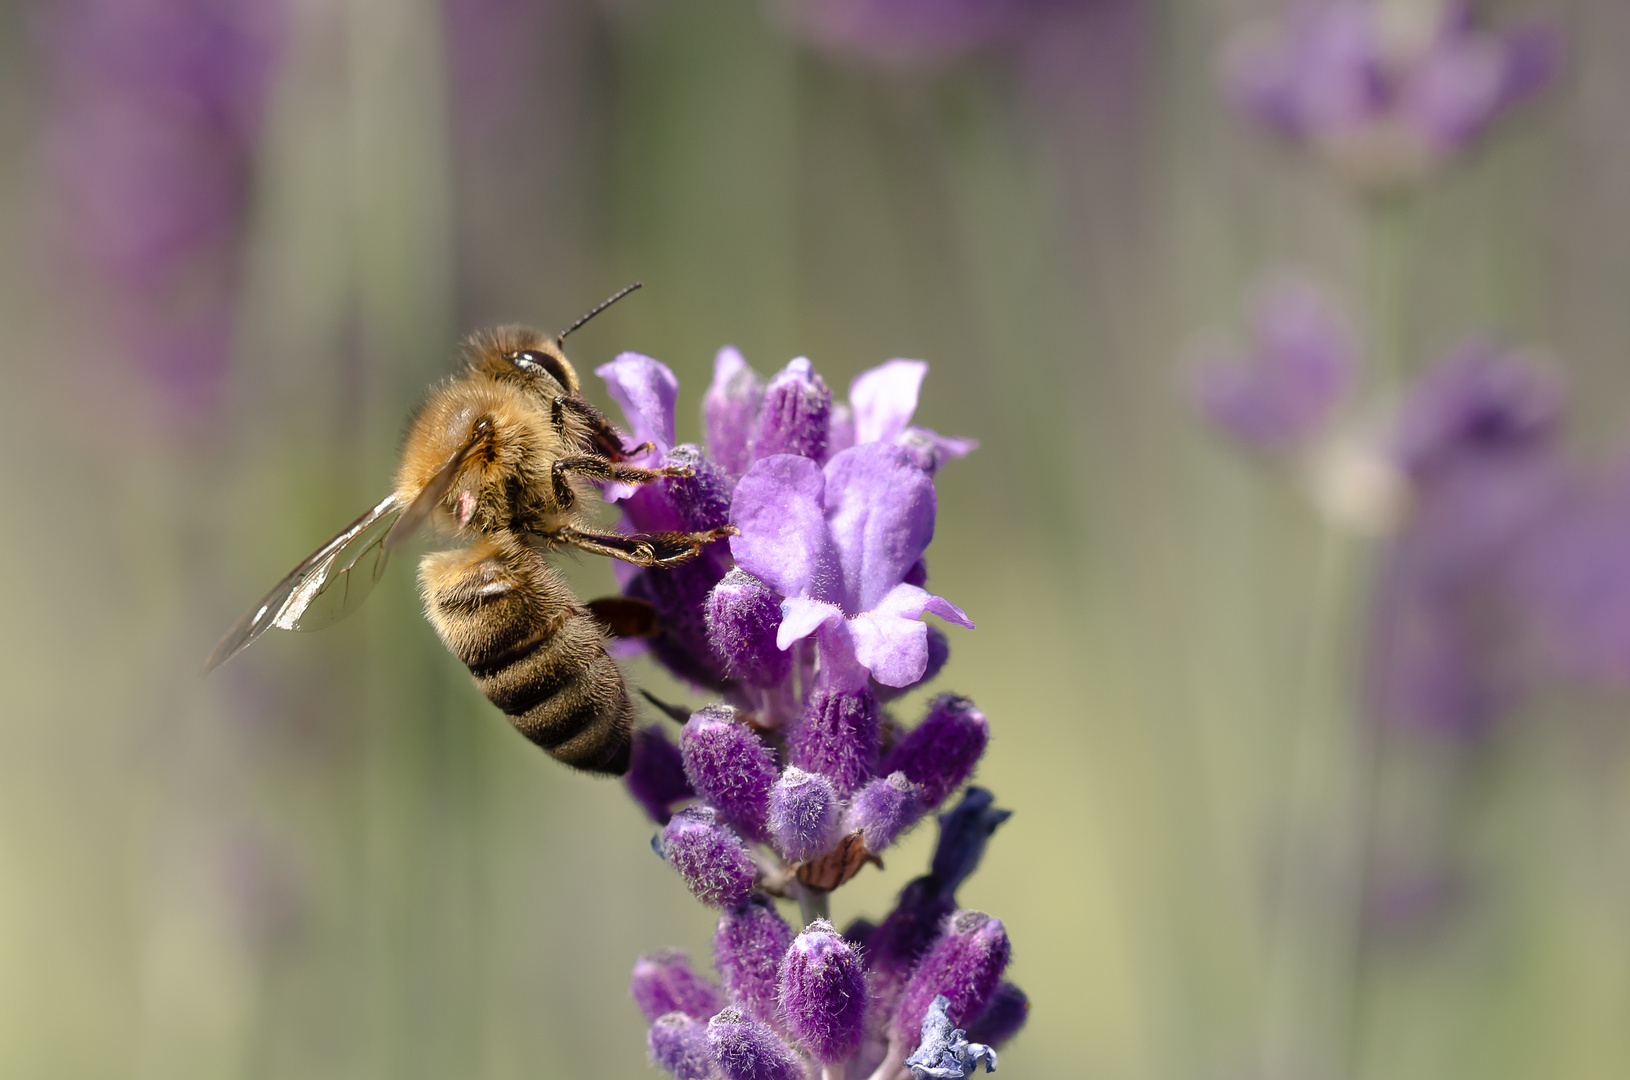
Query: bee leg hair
{"points": [[642, 549], [593, 467]]}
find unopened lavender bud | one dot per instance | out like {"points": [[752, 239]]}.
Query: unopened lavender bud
{"points": [[964, 832], [730, 410], [883, 809], [823, 993], [859, 933], [664, 982], [656, 774], [796, 414], [743, 616], [700, 501], [746, 1049], [730, 767], [709, 856], [964, 965], [1004, 1015], [837, 737], [679, 1044], [804, 814], [941, 752], [747, 949], [909, 930]]}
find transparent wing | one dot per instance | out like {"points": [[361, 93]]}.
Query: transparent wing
{"points": [[328, 584]]}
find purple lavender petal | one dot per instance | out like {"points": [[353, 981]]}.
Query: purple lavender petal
{"points": [[784, 540], [837, 737], [656, 774], [890, 641], [730, 410], [840, 432], [939, 651], [795, 416], [743, 621], [929, 450], [940, 753], [1482, 399], [679, 1044], [880, 513], [746, 1049], [1004, 1015], [664, 982], [801, 617], [964, 965], [747, 949], [646, 389], [823, 993], [804, 814], [1455, 90], [884, 399], [884, 809], [709, 856], [730, 767]]}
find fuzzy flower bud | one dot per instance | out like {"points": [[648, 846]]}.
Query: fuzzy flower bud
{"points": [[795, 416], [883, 809], [709, 856], [941, 752], [746, 1049], [964, 831], [747, 949], [964, 965], [730, 410], [804, 814], [664, 982], [1004, 1015], [743, 617], [679, 1044], [837, 737], [730, 767], [894, 948], [656, 774], [823, 993]]}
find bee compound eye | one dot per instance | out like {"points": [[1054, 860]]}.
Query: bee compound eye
{"points": [[535, 360]]}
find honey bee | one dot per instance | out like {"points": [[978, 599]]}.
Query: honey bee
{"points": [[498, 455]]}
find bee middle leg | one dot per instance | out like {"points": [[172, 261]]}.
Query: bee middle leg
{"points": [[642, 549], [593, 467], [601, 433]]}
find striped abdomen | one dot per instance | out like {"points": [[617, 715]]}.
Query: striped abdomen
{"points": [[534, 651]]}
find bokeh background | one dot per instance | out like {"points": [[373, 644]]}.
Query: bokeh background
{"points": [[240, 239]]}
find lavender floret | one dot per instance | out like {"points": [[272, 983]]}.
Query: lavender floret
{"points": [[804, 814], [748, 946], [1004, 1015], [823, 993], [730, 410], [794, 417], [964, 964], [883, 809], [709, 856], [837, 737], [941, 752], [746, 1049], [664, 982], [679, 1044], [743, 618], [730, 767]]}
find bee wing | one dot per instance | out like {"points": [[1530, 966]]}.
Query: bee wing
{"points": [[328, 584], [418, 512]]}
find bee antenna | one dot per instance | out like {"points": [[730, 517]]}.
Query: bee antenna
{"points": [[612, 299]]}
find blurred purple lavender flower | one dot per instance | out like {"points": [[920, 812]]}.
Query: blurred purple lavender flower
{"points": [[157, 108], [1283, 389], [1384, 99], [1478, 440]]}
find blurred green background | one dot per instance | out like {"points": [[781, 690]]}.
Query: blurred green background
{"points": [[334, 859]]}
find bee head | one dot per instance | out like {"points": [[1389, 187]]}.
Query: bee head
{"points": [[517, 355]]}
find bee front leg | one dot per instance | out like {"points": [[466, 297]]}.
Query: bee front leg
{"points": [[642, 549], [601, 433], [593, 467]]}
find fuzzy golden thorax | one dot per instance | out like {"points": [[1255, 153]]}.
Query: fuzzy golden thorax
{"points": [[501, 444]]}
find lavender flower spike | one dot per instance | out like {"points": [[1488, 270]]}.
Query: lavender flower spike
{"points": [[965, 965], [941, 752], [664, 982], [823, 993], [729, 767], [713, 861], [945, 1053], [678, 1044], [883, 809], [746, 1049], [730, 410], [838, 543], [747, 949], [804, 814], [837, 736]]}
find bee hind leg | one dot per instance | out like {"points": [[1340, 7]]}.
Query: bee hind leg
{"points": [[642, 549]]}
